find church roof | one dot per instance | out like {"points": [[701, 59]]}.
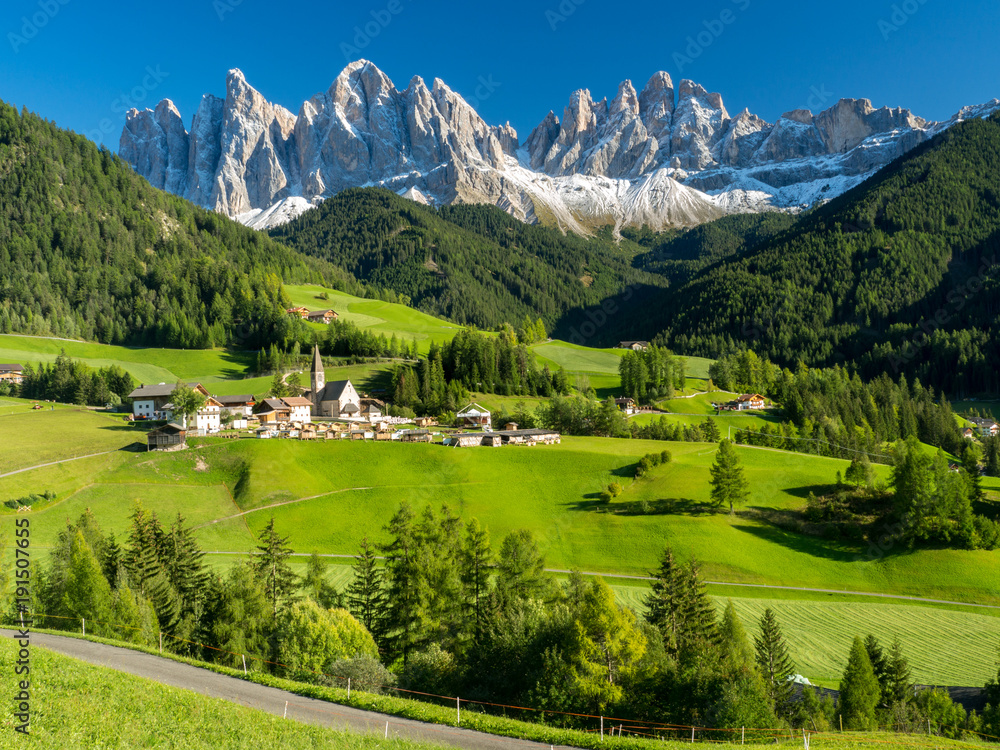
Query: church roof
{"points": [[317, 365]]}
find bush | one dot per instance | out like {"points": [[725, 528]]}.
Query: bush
{"points": [[665, 457], [606, 497], [365, 672], [615, 489], [431, 671]]}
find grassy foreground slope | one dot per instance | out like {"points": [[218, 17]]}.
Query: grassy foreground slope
{"points": [[76, 704], [326, 496]]}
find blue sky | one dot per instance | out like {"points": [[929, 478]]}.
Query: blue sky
{"points": [[81, 63]]}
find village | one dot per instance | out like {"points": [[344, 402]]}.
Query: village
{"points": [[328, 411]]}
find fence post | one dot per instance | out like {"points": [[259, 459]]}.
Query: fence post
{"points": [[743, 735], [387, 730], [285, 715], [602, 729], [84, 621], [244, 664], [841, 717], [692, 734], [458, 711], [161, 642], [348, 688]]}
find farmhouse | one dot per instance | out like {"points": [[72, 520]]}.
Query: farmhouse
{"points": [[11, 374], [968, 433], [636, 346], [626, 405], [474, 415], [326, 317], [170, 437], [986, 427], [299, 409], [298, 312], [749, 401], [150, 401], [209, 416], [237, 405], [372, 409], [336, 400]]}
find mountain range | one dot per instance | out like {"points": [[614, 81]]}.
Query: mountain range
{"points": [[665, 156]]}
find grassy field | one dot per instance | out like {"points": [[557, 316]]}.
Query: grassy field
{"points": [[382, 317], [75, 704], [945, 646], [145, 365], [326, 496], [57, 433]]}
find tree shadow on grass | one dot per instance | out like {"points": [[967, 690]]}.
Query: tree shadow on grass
{"points": [[815, 489], [806, 545], [663, 507]]}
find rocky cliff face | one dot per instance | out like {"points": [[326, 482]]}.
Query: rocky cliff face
{"points": [[644, 158]]}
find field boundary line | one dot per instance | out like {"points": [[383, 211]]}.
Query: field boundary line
{"points": [[277, 505], [56, 463]]}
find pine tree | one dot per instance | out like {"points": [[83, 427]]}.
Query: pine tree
{"points": [[477, 562], [112, 560], [699, 627], [880, 665], [402, 581], [899, 679], [859, 690], [774, 662], [366, 597], [728, 483], [317, 587], [272, 569], [665, 603]]}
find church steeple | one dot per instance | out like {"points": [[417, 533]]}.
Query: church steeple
{"points": [[317, 378]]}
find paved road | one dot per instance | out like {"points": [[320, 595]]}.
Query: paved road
{"points": [[271, 700]]}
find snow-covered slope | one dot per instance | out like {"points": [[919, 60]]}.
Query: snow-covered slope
{"points": [[644, 158]]}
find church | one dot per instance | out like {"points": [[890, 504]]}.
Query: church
{"points": [[336, 400]]}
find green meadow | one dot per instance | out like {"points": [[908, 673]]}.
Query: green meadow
{"points": [[381, 317]]}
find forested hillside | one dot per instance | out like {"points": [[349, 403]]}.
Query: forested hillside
{"points": [[88, 249], [473, 264], [900, 275]]}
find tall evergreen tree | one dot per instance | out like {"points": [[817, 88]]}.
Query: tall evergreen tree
{"points": [[366, 597], [700, 628], [665, 602], [774, 662], [899, 680], [879, 662], [477, 563], [317, 587], [402, 581], [859, 690], [273, 571], [729, 486]]}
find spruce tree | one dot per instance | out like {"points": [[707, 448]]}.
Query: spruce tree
{"points": [[272, 569], [699, 627], [880, 665], [317, 587], [402, 580], [729, 485], [477, 563], [665, 603], [112, 560], [774, 662], [366, 597], [737, 653], [899, 680], [859, 690]]}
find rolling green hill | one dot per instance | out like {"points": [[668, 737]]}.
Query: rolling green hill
{"points": [[867, 277], [91, 251], [472, 264]]}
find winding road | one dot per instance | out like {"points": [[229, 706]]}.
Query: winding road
{"points": [[272, 700]]}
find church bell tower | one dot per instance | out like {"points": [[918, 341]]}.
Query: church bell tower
{"points": [[317, 380]]}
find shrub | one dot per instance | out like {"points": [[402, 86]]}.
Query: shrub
{"points": [[365, 672], [615, 489], [431, 671]]}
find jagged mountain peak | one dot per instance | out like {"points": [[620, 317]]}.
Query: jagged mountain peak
{"points": [[622, 161]]}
